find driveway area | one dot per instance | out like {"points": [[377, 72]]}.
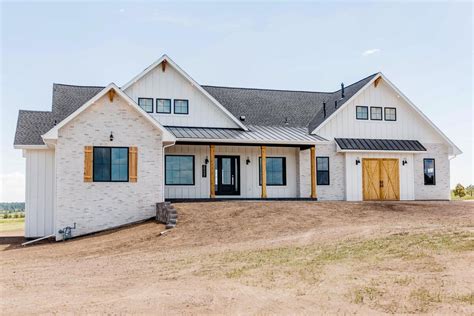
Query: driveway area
{"points": [[256, 258]]}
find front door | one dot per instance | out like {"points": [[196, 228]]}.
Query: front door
{"points": [[227, 173], [380, 179]]}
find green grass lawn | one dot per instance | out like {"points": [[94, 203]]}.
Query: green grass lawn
{"points": [[11, 224], [457, 198]]}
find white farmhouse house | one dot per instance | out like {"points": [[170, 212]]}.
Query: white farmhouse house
{"points": [[104, 156]]}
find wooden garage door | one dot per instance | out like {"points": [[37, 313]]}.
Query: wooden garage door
{"points": [[380, 179]]}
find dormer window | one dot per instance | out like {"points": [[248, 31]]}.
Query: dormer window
{"points": [[181, 106], [146, 104], [163, 106], [362, 112]]}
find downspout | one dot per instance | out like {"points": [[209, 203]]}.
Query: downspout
{"points": [[163, 168]]}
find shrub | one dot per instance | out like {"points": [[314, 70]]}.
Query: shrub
{"points": [[459, 190]]}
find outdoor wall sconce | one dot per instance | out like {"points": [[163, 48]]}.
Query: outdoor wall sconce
{"points": [[357, 161], [111, 137], [404, 161], [206, 161], [247, 161]]}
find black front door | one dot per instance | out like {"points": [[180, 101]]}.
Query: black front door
{"points": [[227, 175]]}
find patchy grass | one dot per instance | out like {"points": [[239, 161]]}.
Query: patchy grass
{"points": [[11, 224]]}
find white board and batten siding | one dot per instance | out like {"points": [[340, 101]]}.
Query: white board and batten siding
{"points": [[249, 174], [409, 124], [170, 84], [39, 195]]}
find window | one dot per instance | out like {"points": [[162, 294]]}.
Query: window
{"points": [[179, 170], [163, 106], [276, 171], [362, 112], [375, 113], [181, 106], [146, 104], [110, 164], [390, 114], [429, 170], [322, 170]]}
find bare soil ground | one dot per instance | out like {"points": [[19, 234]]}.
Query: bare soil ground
{"points": [[257, 258]]}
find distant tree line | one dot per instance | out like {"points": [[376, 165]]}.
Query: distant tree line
{"points": [[12, 206]]}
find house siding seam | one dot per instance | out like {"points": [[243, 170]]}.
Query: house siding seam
{"points": [[439, 191], [95, 206]]}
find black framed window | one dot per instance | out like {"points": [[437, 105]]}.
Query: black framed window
{"points": [[146, 104], [181, 106], [179, 170], [276, 171], [390, 114], [322, 170], [362, 112], [110, 164], [429, 171], [375, 113], [163, 106]]}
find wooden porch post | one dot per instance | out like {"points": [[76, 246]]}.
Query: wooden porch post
{"points": [[212, 172], [264, 172], [313, 172]]}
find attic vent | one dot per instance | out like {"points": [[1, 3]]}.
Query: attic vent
{"points": [[242, 118], [286, 121], [335, 104], [55, 122]]}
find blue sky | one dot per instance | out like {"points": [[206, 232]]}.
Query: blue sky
{"points": [[423, 48]]}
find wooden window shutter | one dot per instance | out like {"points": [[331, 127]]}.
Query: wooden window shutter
{"points": [[88, 164], [132, 164]]}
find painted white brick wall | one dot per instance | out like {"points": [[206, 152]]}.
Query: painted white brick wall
{"points": [[441, 190], [304, 166], [336, 188], [96, 206]]}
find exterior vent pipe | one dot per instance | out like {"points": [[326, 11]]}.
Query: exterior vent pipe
{"points": [[324, 108], [342, 89]]}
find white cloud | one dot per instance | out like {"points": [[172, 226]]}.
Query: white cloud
{"points": [[371, 52], [122, 10], [12, 187]]}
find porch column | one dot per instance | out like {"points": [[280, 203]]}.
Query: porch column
{"points": [[313, 172], [212, 172], [264, 171]]}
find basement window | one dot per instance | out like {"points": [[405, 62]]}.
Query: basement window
{"points": [[322, 170], [390, 114], [429, 171], [110, 164], [179, 170], [146, 104], [276, 171], [362, 112], [181, 106]]}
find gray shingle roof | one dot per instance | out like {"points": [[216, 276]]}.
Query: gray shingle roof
{"points": [[261, 107]]}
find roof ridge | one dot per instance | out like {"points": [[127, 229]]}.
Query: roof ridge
{"points": [[345, 87], [265, 89], [77, 86], [35, 111]]}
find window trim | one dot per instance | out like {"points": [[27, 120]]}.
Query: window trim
{"points": [[156, 107], [385, 113], [174, 106], [110, 164], [381, 113], [328, 171], [362, 106], [194, 171], [260, 172], [434, 171], [152, 107]]}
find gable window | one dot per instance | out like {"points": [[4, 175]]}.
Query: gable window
{"points": [[362, 112], [322, 170], [429, 171], [179, 170], [146, 104], [276, 171], [375, 113], [110, 164], [163, 106], [390, 114], [181, 106]]}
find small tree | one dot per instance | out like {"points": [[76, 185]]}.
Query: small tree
{"points": [[470, 189], [459, 190]]}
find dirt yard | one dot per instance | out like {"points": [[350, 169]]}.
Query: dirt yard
{"points": [[257, 258]]}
